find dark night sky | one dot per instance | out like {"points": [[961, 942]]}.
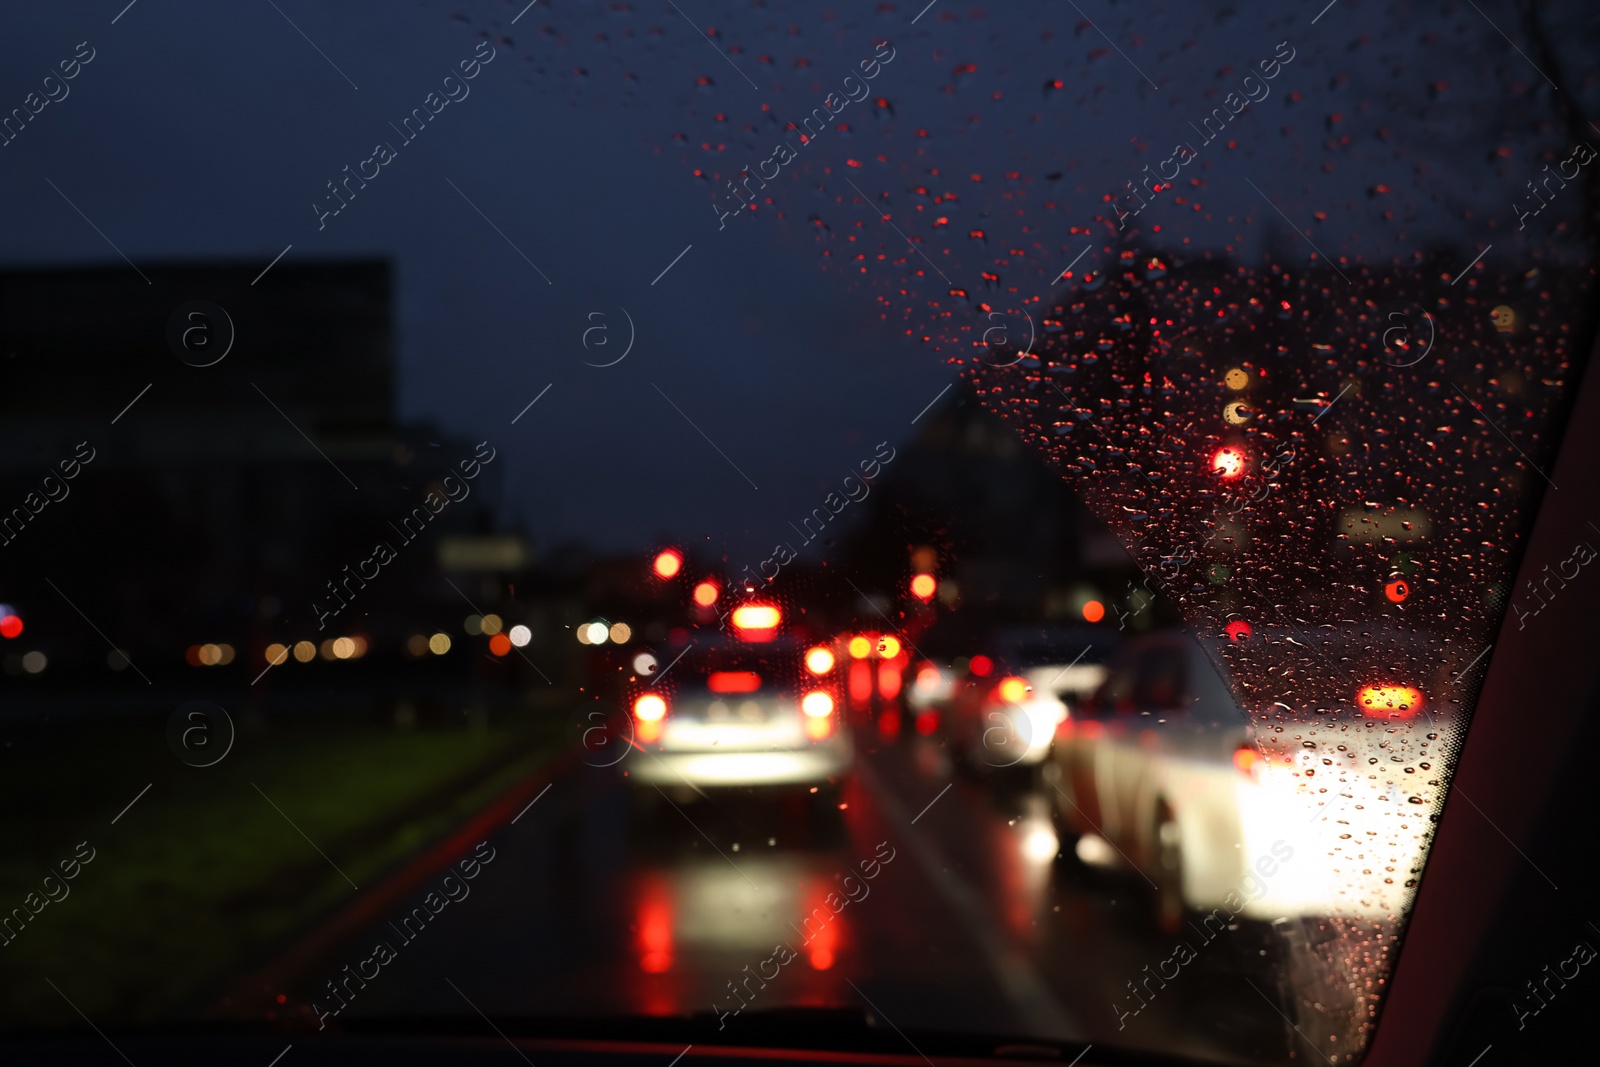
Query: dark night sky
{"points": [[203, 130]]}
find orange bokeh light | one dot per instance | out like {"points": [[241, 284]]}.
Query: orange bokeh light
{"points": [[1228, 463], [705, 594], [1094, 611], [499, 644], [668, 563], [1389, 701], [923, 586]]}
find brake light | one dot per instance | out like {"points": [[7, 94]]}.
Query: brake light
{"points": [[817, 704], [650, 708], [819, 661], [733, 682], [756, 618], [981, 666], [1389, 701], [668, 564], [1013, 690]]}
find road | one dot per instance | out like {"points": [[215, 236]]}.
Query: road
{"points": [[592, 907]]}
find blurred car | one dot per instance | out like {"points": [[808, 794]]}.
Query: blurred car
{"points": [[1162, 769], [943, 657], [932, 685], [872, 675], [1005, 710], [758, 707]]}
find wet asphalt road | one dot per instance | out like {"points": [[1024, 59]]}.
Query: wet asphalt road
{"points": [[594, 905]]}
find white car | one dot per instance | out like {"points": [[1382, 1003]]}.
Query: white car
{"points": [[1006, 711], [756, 708], [1317, 804]]}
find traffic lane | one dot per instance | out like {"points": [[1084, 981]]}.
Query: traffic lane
{"points": [[586, 910], [1092, 934]]}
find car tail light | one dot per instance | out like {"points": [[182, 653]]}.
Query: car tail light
{"points": [[860, 647], [817, 704], [668, 563], [756, 622], [650, 708], [756, 617], [1013, 690], [733, 681], [888, 648], [981, 666], [1389, 701], [819, 661]]}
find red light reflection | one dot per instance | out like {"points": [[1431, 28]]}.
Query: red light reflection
{"points": [[889, 681], [653, 933]]}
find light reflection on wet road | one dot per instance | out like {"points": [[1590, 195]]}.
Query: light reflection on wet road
{"points": [[592, 907]]}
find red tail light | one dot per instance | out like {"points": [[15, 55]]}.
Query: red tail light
{"points": [[733, 682], [819, 661], [817, 704], [756, 622]]}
